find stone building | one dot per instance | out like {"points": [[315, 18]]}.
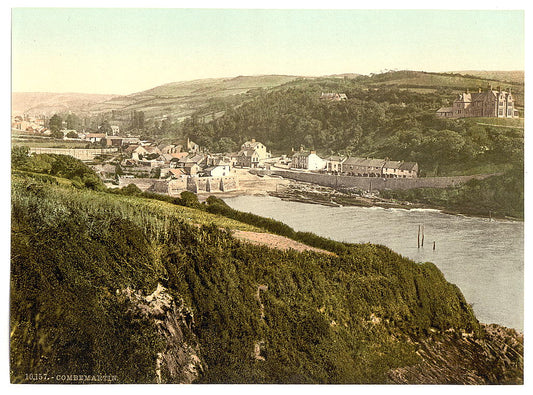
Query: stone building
{"points": [[252, 154], [307, 160], [490, 103]]}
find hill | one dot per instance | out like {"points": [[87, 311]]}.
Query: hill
{"points": [[51, 103], [181, 99], [516, 76], [457, 82], [389, 115], [136, 288]]}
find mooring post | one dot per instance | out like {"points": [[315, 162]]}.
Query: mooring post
{"points": [[422, 236], [418, 236], [433, 246]]}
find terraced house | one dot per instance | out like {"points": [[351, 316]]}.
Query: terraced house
{"points": [[491, 103], [365, 167]]}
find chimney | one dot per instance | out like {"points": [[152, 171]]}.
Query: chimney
{"points": [[479, 89], [253, 140], [313, 152], [467, 91], [489, 87]]}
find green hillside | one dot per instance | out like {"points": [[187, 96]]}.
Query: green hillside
{"points": [[382, 117], [181, 99], [145, 290], [517, 76]]}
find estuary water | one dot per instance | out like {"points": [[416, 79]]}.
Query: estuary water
{"points": [[485, 259]]}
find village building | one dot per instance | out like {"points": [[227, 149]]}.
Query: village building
{"points": [[191, 169], [334, 164], [192, 146], [95, 137], [115, 130], [170, 148], [173, 173], [252, 154], [189, 160], [145, 153], [174, 159], [391, 168], [490, 103], [221, 170], [365, 167], [332, 96], [130, 141], [114, 141], [307, 160], [408, 170], [248, 158]]}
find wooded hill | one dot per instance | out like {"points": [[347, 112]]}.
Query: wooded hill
{"points": [[219, 310], [390, 115]]}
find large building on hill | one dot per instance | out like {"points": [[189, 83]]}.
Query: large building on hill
{"points": [[491, 103]]}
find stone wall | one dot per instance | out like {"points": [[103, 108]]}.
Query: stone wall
{"points": [[212, 184], [376, 183], [145, 184], [175, 187], [78, 153]]}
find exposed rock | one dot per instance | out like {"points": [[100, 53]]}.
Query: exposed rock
{"points": [[179, 362], [451, 358]]}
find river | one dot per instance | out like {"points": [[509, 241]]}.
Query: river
{"points": [[485, 259]]}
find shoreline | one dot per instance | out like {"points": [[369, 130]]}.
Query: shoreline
{"points": [[302, 192]]}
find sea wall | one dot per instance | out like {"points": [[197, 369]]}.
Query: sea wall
{"points": [[376, 183], [177, 186]]}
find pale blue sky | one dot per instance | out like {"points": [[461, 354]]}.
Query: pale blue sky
{"points": [[128, 50]]}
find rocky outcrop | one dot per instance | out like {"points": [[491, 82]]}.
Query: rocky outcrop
{"points": [[497, 357], [180, 361]]}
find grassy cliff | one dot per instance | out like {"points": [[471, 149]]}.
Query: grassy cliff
{"points": [[149, 291]]}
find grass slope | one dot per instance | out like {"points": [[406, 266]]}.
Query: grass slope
{"points": [[327, 318], [180, 99]]}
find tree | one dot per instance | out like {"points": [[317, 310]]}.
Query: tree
{"points": [[58, 134], [105, 127], [73, 122], [72, 135], [226, 144], [19, 156], [55, 123]]}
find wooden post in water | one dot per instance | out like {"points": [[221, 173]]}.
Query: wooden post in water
{"points": [[433, 246], [418, 236], [422, 236]]}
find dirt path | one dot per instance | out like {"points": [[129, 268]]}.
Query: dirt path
{"points": [[275, 241]]}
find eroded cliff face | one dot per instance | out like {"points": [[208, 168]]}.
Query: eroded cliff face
{"points": [[179, 361], [459, 358]]}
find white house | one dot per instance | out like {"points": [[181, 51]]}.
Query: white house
{"points": [[218, 171], [307, 161]]}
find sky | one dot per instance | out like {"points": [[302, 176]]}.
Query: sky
{"points": [[127, 50]]}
